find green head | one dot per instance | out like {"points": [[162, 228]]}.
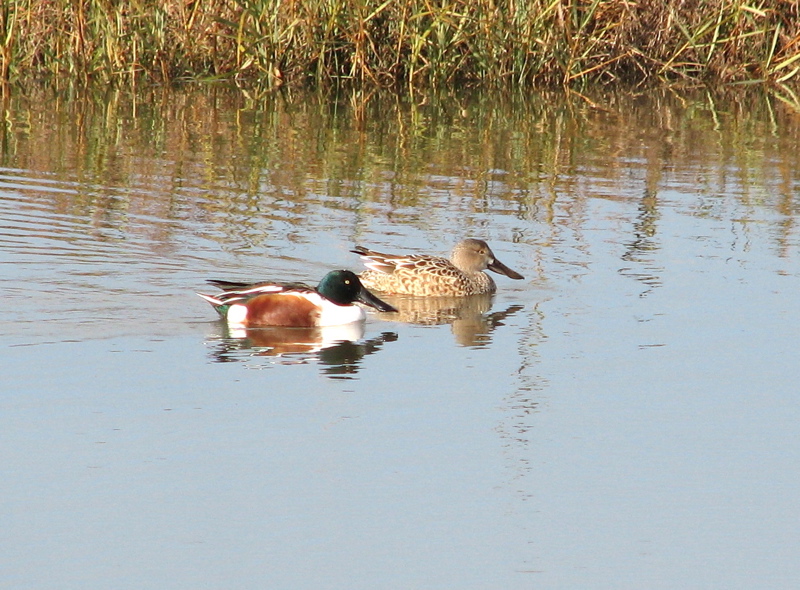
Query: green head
{"points": [[343, 287]]}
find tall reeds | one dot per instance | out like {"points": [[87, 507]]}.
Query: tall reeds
{"points": [[408, 42]]}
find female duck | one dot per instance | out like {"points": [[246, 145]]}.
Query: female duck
{"points": [[294, 304], [433, 275]]}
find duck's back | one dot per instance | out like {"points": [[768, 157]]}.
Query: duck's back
{"points": [[427, 276]]}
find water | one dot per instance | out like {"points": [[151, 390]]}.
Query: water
{"points": [[626, 417]]}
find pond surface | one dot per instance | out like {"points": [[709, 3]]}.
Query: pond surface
{"points": [[625, 417]]}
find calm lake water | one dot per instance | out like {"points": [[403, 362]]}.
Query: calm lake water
{"points": [[625, 417]]}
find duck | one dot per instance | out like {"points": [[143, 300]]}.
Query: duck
{"points": [[331, 303], [426, 275]]}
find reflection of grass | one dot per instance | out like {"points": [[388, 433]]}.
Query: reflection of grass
{"points": [[161, 162], [415, 42]]}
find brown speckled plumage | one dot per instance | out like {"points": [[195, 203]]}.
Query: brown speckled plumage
{"points": [[426, 275]]}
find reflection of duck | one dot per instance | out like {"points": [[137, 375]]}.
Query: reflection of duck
{"points": [[431, 311], [422, 274], [293, 304], [344, 358], [468, 316], [336, 347], [281, 340]]}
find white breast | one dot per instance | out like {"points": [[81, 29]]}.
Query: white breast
{"points": [[337, 315]]}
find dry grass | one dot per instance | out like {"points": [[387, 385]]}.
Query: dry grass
{"points": [[414, 43]]}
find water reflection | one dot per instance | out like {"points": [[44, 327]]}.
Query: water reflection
{"points": [[640, 250], [338, 349], [468, 317], [151, 169]]}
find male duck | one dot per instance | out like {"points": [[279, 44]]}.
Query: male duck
{"points": [[294, 304], [433, 275]]}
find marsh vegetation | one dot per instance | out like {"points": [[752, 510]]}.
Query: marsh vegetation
{"points": [[412, 43]]}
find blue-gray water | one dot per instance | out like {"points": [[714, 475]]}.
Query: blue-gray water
{"points": [[626, 417]]}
